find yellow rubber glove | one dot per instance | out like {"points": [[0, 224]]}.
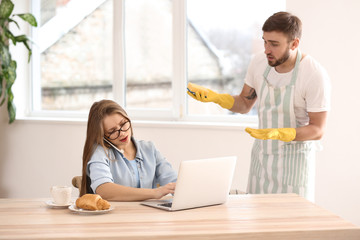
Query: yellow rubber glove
{"points": [[206, 95], [283, 134]]}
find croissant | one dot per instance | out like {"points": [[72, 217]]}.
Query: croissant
{"points": [[92, 202]]}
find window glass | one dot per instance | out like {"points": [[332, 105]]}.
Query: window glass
{"points": [[73, 53], [148, 53], [222, 37], [74, 41]]}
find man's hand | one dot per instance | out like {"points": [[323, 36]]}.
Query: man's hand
{"points": [[206, 95], [283, 134]]}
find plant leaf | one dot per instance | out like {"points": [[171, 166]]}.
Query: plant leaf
{"points": [[13, 21], [11, 108], [5, 96], [21, 38], [2, 102], [1, 86], [11, 75], [5, 56], [28, 17], [6, 8], [29, 56], [10, 96], [9, 34], [29, 49]]}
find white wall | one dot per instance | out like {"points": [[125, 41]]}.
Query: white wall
{"points": [[330, 34], [37, 154]]}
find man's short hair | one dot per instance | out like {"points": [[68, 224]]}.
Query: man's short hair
{"points": [[284, 22]]}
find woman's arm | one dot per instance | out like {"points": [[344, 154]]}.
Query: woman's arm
{"points": [[116, 192]]}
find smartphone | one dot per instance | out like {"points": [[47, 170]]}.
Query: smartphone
{"points": [[119, 150], [193, 93]]}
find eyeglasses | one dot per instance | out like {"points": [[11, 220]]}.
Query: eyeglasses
{"points": [[123, 128]]}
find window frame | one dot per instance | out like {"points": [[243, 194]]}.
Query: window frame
{"points": [[178, 112]]}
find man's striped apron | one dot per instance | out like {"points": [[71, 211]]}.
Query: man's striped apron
{"points": [[277, 166]]}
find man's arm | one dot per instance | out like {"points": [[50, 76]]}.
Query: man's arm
{"points": [[316, 128], [240, 104], [245, 101], [313, 131]]}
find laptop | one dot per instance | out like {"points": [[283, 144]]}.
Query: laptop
{"points": [[200, 183]]}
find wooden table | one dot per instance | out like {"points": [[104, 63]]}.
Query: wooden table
{"points": [[283, 216]]}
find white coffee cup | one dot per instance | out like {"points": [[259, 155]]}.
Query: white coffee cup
{"points": [[61, 194]]}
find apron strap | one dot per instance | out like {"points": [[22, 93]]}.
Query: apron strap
{"points": [[296, 69], [267, 70]]}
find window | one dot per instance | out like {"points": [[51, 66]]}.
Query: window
{"points": [[142, 53], [148, 54], [222, 37], [73, 56]]}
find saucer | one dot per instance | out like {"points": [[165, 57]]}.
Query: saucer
{"points": [[75, 209], [51, 204]]}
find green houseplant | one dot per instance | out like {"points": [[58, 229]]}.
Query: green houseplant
{"points": [[8, 66]]}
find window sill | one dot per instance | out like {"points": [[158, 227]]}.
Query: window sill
{"points": [[147, 123]]}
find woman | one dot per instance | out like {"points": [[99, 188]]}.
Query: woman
{"points": [[116, 165]]}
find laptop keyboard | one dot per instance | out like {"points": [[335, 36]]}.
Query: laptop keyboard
{"points": [[169, 204]]}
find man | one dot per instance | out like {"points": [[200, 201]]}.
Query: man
{"points": [[293, 95]]}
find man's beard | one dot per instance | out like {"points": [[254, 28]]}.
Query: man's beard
{"points": [[281, 60]]}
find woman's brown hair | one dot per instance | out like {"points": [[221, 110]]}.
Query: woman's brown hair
{"points": [[284, 22], [95, 134]]}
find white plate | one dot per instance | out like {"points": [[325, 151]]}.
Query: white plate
{"points": [[51, 204], [84, 211]]}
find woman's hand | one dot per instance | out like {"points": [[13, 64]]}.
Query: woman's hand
{"points": [[164, 190]]}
